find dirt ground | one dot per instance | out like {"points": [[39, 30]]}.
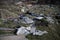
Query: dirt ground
{"points": [[13, 37]]}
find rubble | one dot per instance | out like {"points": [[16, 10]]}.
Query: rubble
{"points": [[22, 30], [29, 30], [27, 20]]}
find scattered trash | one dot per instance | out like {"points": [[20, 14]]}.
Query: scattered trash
{"points": [[40, 21], [29, 30], [39, 18], [32, 14], [19, 3], [24, 9], [39, 32], [27, 20], [22, 30], [50, 20], [42, 15]]}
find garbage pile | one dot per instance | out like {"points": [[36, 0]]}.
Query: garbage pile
{"points": [[30, 30], [37, 20], [38, 15], [41, 20]]}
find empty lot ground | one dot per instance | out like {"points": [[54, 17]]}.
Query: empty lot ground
{"points": [[13, 37]]}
